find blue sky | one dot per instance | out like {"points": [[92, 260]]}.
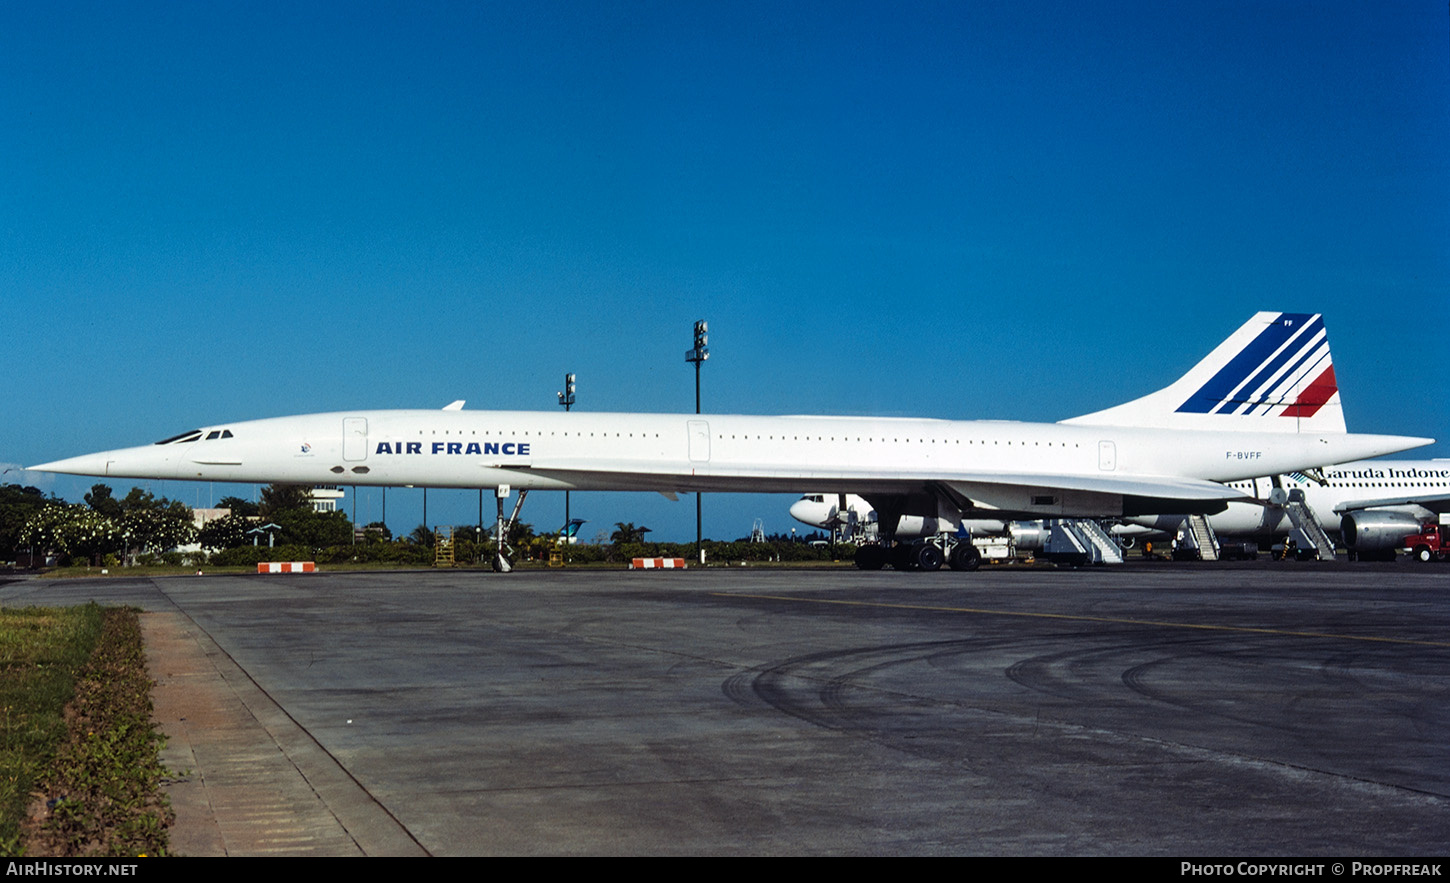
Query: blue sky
{"points": [[1029, 210]]}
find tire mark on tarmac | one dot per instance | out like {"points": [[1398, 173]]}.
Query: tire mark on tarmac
{"points": [[852, 690], [1072, 617]]}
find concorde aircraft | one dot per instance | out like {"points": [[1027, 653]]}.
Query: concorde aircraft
{"points": [[1264, 401]]}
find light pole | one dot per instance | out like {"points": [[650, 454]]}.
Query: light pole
{"points": [[698, 354], [566, 400]]}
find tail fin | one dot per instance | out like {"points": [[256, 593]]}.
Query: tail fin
{"points": [[1274, 374]]}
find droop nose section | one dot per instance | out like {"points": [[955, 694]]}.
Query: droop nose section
{"points": [[144, 462]]}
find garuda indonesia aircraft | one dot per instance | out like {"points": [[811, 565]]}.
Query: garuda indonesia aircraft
{"points": [[1264, 401], [1370, 506]]}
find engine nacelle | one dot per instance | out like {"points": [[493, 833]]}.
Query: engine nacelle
{"points": [[912, 527], [1371, 531], [1030, 536]]}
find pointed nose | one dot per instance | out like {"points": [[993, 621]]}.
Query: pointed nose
{"points": [[86, 464], [149, 461]]}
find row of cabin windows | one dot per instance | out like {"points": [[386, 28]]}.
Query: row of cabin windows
{"points": [[1244, 485], [515, 433], [722, 436], [873, 439]]}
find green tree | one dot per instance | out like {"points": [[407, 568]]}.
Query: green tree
{"points": [[17, 506], [71, 531], [627, 533], [227, 532], [101, 500], [138, 500], [284, 498], [238, 506], [158, 528], [87, 535], [317, 529], [520, 534], [42, 530]]}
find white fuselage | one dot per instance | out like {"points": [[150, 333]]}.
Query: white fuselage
{"points": [[1028, 468]]}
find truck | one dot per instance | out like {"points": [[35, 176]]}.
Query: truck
{"points": [[1432, 543]]}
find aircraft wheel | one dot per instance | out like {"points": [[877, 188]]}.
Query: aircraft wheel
{"points": [[965, 557], [870, 558], [929, 557]]}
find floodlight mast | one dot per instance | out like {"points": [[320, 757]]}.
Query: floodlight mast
{"points": [[566, 400], [698, 355]]}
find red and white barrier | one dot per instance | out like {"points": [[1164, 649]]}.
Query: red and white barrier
{"points": [[286, 567], [657, 564]]}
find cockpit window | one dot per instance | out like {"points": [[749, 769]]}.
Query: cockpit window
{"points": [[189, 435]]}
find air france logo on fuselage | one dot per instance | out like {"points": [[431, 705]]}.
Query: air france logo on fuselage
{"points": [[506, 449]]}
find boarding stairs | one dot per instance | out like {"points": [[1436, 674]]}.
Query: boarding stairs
{"points": [[1197, 528], [1083, 540], [1307, 532], [859, 530]]}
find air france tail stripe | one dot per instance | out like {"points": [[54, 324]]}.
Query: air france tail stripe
{"points": [[1269, 385], [1311, 361], [1311, 364], [1250, 359], [1254, 390], [1314, 396], [1275, 383]]}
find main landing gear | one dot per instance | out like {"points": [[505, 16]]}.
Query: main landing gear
{"points": [[925, 555]]}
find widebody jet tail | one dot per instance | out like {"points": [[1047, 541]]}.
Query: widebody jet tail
{"points": [[1274, 374]]}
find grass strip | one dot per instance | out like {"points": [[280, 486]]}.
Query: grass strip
{"points": [[103, 791], [80, 771], [41, 650]]}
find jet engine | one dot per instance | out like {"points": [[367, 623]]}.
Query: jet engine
{"points": [[1030, 535], [1370, 531], [912, 527]]}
